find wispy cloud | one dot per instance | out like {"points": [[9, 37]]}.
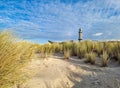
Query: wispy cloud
{"points": [[60, 20], [97, 34]]}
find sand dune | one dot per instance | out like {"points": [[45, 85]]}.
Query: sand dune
{"points": [[56, 72]]}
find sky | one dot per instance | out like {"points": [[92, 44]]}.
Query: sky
{"points": [[59, 20]]}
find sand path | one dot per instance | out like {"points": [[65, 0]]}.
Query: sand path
{"points": [[55, 72]]}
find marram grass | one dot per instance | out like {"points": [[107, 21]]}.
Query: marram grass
{"points": [[99, 48], [118, 55], [81, 50], [105, 59], [13, 58], [91, 57], [67, 54]]}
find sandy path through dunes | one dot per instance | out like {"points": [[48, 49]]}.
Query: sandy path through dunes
{"points": [[50, 73], [55, 72]]}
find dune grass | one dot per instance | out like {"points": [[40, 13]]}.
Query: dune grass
{"points": [[91, 57], [89, 45], [99, 46], [13, 58], [67, 54], [81, 50], [105, 59], [93, 49], [118, 57]]}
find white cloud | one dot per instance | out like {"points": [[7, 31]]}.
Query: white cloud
{"points": [[97, 34]]}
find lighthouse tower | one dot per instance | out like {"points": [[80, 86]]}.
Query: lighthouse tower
{"points": [[80, 34]]}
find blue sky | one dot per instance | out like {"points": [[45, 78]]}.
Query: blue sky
{"points": [[60, 20]]}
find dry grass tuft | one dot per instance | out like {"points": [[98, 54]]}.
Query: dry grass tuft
{"points": [[13, 58], [67, 54], [118, 55], [81, 50], [105, 59], [91, 57]]}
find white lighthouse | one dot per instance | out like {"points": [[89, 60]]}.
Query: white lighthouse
{"points": [[80, 34]]}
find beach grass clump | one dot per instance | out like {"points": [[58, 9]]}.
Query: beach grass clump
{"points": [[91, 57], [14, 56], [67, 45], [81, 50], [89, 45], [56, 47], [116, 51], [105, 59], [67, 54], [99, 48], [47, 50], [74, 48], [111, 50], [37, 48], [118, 56]]}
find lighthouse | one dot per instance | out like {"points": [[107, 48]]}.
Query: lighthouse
{"points": [[80, 35]]}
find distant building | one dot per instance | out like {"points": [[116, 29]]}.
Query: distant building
{"points": [[80, 35], [79, 38]]}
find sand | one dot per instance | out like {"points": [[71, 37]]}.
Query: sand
{"points": [[56, 72]]}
